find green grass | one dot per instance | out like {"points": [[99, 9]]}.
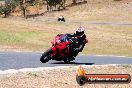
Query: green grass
{"points": [[109, 40], [30, 40], [103, 39]]}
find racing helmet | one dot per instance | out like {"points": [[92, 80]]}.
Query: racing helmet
{"points": [[80, 31]]}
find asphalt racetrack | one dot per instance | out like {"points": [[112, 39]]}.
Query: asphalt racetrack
{"points": [[19, 60]]}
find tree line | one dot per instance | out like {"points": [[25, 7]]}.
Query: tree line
{"points": [[10, 5]]}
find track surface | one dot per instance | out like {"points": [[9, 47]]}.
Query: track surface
{"points": [[19, 60]]}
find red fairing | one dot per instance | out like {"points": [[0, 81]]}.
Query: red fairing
{"points": [[59, 47], [57, 39], [62, 45], [54, 50]]}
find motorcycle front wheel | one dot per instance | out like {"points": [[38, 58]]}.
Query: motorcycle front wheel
{"points": [[46, 56]]}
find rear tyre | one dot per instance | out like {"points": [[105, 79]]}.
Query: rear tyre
{"points": [[45, 56]]}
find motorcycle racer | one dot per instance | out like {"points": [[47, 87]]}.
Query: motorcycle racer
{"points": [[80, 37], [65, 47]]}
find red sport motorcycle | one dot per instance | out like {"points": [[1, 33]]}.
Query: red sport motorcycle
{"points": [[62, 51]]}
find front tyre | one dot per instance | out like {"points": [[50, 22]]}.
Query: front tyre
{"points": [[45, 56]]}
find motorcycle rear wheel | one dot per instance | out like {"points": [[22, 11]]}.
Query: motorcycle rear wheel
{"points": [[45, 56]]}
